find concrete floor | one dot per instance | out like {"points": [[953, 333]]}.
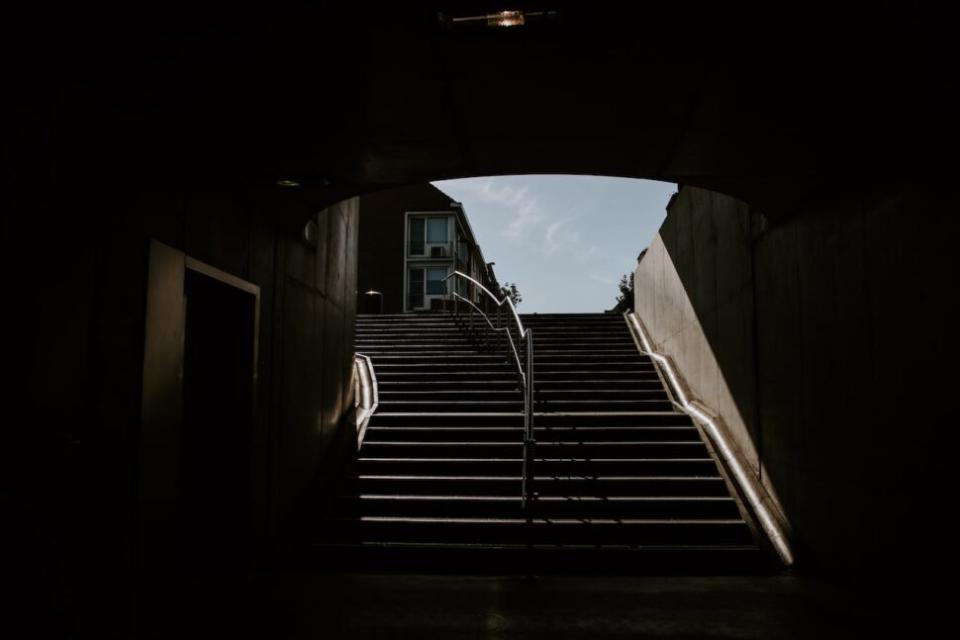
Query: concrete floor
{"points": [[318, 605], [573, 607]]}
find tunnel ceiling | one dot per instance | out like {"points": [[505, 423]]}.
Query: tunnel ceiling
{"points": [[773, 106]]}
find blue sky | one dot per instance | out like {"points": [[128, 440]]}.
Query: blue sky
{"points": [[565, 240]]}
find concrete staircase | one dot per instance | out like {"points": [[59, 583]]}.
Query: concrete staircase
{"points": [[624, 482]]}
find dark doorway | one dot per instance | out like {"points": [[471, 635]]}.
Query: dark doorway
{"points": [[214, 518]]}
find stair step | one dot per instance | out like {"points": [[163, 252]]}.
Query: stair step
{"points": [[543, 371], [701, 467], [503, 419], [420, 332], [514, 393], [571, 327], [582, 433], [398, 327], [420, 336], [600, 355], [569, 318], [499, 366], [404, 326], [460, 359], [427, 349], [473, 375], [394, 355], [419, 345], [388, 404], [543, 378], [398, 384], [544, 374], [404, 318], [546, 485], [511, 506], [467, 358], [545, 449], [633, 531], [588, 365]]}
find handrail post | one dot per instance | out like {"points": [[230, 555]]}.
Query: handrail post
{"points": [[523, 342], [499, 336], [529, 439]]}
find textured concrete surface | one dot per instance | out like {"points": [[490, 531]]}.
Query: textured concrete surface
{"points": [[71, 486], [817, 339], [308, 605], [694, 294]]}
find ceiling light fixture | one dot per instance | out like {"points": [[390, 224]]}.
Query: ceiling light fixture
{"points": [[506, 19]]}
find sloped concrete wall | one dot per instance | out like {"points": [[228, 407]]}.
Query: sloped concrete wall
{"points": [[706, 242], [821, 341]]}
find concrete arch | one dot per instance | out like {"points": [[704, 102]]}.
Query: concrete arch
{"points": [[354, 97]]}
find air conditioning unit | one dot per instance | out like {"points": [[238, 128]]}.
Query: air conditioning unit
{"points": [[438, 252]]}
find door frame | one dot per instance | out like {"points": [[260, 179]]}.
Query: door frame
{"points": [[161, 409]]}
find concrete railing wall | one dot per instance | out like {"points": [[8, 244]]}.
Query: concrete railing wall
{"points": [[705, 245], [818, 341]]}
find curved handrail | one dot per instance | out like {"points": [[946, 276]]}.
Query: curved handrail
{"points": [[522, 332], [526, 376], [505, 299], [513, 346]]}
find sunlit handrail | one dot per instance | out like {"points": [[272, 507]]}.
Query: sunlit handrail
{"points": [[366, 393], [513, 346], [761, 502], [505, 300], [521, 331], [525, 373]]}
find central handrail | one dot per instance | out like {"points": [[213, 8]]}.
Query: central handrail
{"points": [[505, 300], [525, 373], [513, 347]]}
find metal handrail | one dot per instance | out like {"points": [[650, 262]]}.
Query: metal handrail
{"points": [[513, 347], [525, 373], [366, 393], [761, 502]]}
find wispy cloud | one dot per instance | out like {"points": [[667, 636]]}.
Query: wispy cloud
{"points": [[560, 235], [523, 209]]}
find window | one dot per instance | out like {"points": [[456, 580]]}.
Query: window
{"points": [[436, 230], [428, 230], [436, 281], [415, 289], [416, 236]]}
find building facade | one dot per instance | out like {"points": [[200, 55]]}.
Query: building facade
{"points": [[411, 240]]}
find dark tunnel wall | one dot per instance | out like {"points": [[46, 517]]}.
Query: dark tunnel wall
{"points": [[831, 332], [75, 316]]}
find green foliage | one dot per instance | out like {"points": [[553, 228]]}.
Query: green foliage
{"points": [[510, 290], [625, 297]]}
